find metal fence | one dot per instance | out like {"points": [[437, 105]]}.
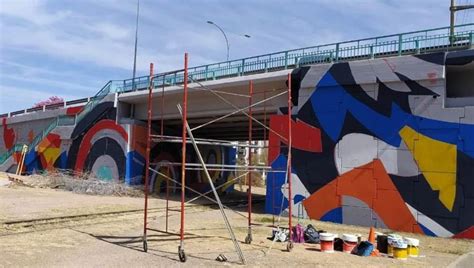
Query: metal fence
{"points": [[432, 40]]}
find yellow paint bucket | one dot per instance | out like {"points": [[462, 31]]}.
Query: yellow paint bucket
{"points": [[413, 246], [390, 239], [400, 249]]}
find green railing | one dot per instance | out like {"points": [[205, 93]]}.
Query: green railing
{"points": [[438, 39]]}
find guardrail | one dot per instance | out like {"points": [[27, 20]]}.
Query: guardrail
{"points": [[438, 39]]}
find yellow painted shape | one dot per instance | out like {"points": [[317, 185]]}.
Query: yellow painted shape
{"points": [[50, 155], [437, 161]]}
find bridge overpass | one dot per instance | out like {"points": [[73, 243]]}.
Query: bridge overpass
{"points": [[390, 107]]}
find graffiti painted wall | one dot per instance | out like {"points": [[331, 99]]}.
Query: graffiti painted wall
{"points": [[374, 144], [109, 151]]}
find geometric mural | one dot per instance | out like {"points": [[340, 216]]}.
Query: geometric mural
{"points": [[388, 153]]}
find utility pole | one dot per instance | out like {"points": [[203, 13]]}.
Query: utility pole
{"points": [[136, 42], [452, 9]]}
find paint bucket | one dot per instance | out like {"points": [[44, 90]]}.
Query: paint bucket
{"points": [[390, 239], [327, 242], [382, 243], [400, 249], [350, 242], [413, 245]]}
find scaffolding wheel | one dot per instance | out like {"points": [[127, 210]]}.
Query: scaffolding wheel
{"points": [[289, 246], [248, 239], [145, 246], [181, 254]]}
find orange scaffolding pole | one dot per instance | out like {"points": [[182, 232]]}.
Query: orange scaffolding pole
{"points": [[290, 242], [147, 159], [248, 239], [182, 255]]}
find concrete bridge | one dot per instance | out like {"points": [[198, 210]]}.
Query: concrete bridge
{"points": [[381, 125]]}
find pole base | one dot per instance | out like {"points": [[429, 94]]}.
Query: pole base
{"points": [[181, 254]]}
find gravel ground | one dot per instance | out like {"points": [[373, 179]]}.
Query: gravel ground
{"points": [[114, 240]]}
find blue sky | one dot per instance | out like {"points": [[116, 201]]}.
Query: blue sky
{"points": [[71, 48]]}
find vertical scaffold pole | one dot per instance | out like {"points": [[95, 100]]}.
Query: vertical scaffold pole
{"points": [[290, 242], [147, 158], [248, 239], [182, 255]]}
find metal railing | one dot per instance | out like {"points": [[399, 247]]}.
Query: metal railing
{"points": [[432, 40]]}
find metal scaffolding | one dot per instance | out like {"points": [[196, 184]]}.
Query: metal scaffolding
{"points": [[188, 137]]}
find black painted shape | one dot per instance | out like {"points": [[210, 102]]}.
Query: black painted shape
{"points": [[416, 88], [465, 182], [386, 96], [460, 57], [352, 125], [315, 170], [436, 58], [106, 146], [417, 193], [297, 75], [93, 116]]}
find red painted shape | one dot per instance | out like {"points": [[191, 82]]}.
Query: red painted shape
{"points": [[74, 110], [86, 141], [361, 183], [466, 234], [8, 135], [305, 137]]}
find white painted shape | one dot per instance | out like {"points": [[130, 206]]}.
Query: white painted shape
{"points": [[108, 161], [297, 188], [435, 227], [356, 149], [309, 82]]}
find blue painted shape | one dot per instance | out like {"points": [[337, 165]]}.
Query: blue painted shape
{"points": [[62, 163], [298, 198], [426, 230], [275, 180], [334, 215], [32, 162], [134, 169], [328, 93]]}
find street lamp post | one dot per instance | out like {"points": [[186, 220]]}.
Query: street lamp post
{"points": [[135, 52], [225, 36], [452, 9]]}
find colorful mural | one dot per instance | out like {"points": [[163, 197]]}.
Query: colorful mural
{"points": [[111, 151], [378, 148]]}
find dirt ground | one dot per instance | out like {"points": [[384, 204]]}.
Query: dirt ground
{"points": [[107, 232]]}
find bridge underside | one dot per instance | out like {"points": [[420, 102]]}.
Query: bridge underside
{"points": [[226, 106]]}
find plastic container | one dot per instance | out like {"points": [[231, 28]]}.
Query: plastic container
{"points": [[400, 249], [350, 242], [413, 246], [327, 242], [382, 243], [390, 239]]}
